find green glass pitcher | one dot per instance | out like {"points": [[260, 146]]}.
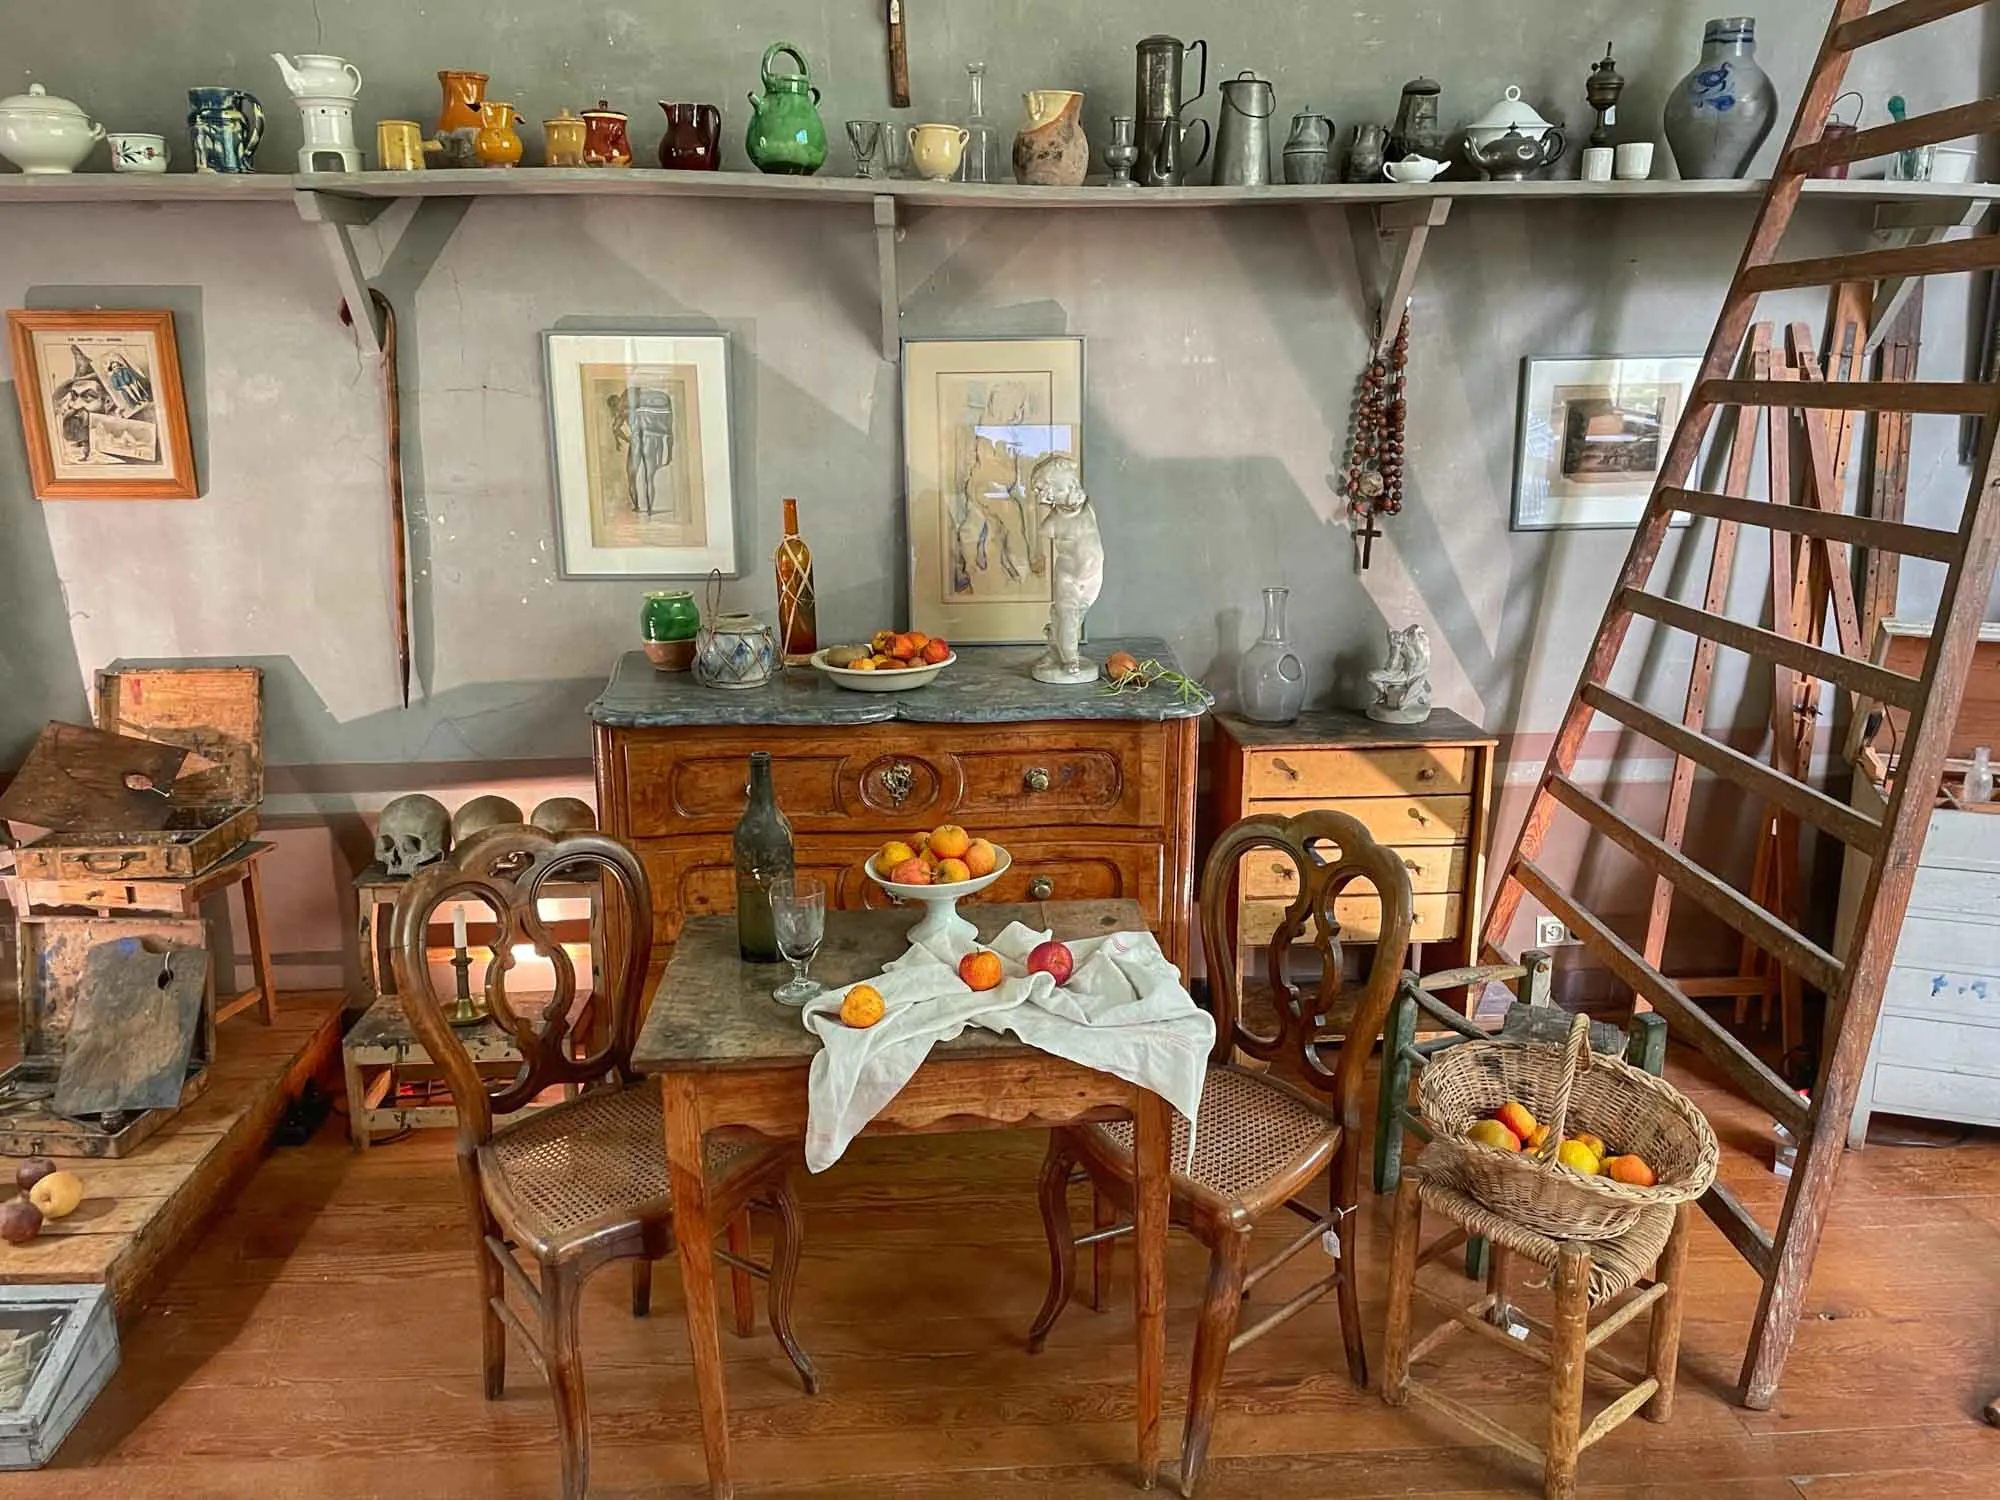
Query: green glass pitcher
{"points": [[786, 133]]}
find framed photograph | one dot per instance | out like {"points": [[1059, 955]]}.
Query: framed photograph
{"points": [[1594, 433], [978, 414], [102, 405], [645, 483]]}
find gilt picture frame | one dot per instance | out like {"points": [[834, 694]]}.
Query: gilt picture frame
{"points": [[643, 458], [1594, 433], [978, 414], [103, 410]]}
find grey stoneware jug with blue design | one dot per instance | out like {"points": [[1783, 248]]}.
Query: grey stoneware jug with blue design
{"points": [[224, 127]]}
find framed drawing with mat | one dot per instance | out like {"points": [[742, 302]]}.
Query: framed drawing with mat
{"points": [[1594, 432], [978, 414], [102, 406], [644, 474]]}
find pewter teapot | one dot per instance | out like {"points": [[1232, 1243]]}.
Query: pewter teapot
{"points": [[1511, 156]]}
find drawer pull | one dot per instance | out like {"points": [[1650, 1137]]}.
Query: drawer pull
{"points": [[1420, 815], [1037, 779], [1291, 771], [109, 864], [1041, 888], [1428, 773], [1413, 867], [898, 781]]}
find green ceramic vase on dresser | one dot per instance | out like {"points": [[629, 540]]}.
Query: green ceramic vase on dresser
{"points": [[786, 133], [668, 622]]}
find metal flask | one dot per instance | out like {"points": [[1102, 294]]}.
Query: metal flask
{"points": [[1243, 132]]}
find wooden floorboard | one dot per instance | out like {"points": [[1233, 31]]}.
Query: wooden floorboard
{"points": [[321, 1340]]}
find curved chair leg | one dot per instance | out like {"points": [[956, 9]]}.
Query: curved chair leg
{"points": [[1220, 1312], [1350, 1299], [1054, 1196], [642, 1287], [786, 1241], [562, 1297]]}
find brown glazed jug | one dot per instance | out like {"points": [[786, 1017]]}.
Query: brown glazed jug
{"points": [[605, 143], [464, 92], [693, 142]]}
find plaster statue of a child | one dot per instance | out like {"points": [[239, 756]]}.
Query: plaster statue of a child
{"points": [[1076, 567], [1403, 687]]}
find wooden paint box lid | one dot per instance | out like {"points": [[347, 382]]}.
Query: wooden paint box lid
{"points": [[217, 712]]}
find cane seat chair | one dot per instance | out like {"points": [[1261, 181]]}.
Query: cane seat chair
{"points": [[575, 1185], [1260, 1141]]}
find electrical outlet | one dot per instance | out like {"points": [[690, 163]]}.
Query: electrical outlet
{"points": [[1550, 933]]}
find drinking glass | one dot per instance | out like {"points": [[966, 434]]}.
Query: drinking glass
{"points": [[798, 911], [865, 136]]}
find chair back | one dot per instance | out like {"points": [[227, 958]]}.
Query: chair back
{"points": [[507, 868], [1331, 852]]}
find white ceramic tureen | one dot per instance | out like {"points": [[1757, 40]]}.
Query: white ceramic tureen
{"points": [[41, 133], [1511, 113]]}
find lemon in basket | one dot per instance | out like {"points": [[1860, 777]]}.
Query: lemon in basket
{"points": [[1579, 1158]]}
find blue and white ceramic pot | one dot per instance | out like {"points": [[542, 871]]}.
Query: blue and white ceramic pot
{"points": [[1722, 112], [735, 651]]}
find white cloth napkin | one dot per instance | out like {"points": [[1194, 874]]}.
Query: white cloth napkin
{"points": [[1123, 1012]]}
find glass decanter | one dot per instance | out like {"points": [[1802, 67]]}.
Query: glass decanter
{"points": [[1271, 679], [763, 856], [978, 162]]}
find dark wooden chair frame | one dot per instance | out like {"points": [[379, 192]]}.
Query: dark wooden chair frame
{"points": [[580, 1047], [1225, 1222]]}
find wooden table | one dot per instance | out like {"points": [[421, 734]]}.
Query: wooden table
{"points": [[731, 1057]]}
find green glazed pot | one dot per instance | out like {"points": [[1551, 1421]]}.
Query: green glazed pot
{"points": [[668, 622], [786, 133]]}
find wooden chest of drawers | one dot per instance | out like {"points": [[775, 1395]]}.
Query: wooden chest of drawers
{"points": [[1092, 794], [1422, 789]]}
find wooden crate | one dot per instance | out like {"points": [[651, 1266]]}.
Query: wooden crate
{"points": [[216, 712]]}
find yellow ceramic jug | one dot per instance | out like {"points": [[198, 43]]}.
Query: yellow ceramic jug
{"points": [[562, 140], [935, 149], [498, 143]]}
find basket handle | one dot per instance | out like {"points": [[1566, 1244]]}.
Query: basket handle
{"points": [[1576, 1062]]}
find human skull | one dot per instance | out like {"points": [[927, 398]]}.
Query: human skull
{"points": [[412, 832], [482, 813], [563, 816]]}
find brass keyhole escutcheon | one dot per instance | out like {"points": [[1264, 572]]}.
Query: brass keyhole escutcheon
{"points": [[898, 781], [1037, 779], [1041, 888]]}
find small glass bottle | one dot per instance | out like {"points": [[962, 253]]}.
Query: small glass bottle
{"points": [[1271, 679], [1979, 780], [798, 609], [763, 854], [977, 164]]}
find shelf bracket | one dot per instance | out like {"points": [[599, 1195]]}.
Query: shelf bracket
{"points": [[1389, 243], [886, 234], [1900, 225], [337, 218]]}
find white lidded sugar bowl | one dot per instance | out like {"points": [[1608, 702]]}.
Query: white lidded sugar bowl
{"points": [[42, 134]]}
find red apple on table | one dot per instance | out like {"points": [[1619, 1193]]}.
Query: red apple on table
{"points": [[1053, 959]]}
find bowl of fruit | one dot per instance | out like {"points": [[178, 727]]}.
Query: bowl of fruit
{"points": [[938, 869], [893, 661]]}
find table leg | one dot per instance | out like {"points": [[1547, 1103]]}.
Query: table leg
{"points": [[1149, 1281], [252, 889], [694, 1245]]}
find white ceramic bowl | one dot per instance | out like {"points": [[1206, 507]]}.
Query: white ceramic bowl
{"points": [[882, 682], [1413, 169], [940, 902]]}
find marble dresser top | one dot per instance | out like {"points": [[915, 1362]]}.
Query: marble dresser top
{"points": [[986, 685]]}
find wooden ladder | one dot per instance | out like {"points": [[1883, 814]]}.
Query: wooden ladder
{"points": [[1852, 981]]}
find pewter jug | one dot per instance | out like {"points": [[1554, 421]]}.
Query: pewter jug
{"points": [[1163, 159], [1308, 148], [1243, 132]]}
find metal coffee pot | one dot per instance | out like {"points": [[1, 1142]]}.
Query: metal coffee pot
{"points": [[1163, 160], [1514, 155], [1243, 132]]}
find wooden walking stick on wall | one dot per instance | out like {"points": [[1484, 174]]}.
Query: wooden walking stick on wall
{"points": [[399, 539]]}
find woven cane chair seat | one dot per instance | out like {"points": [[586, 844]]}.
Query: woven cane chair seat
{"points": [[596, 1158], [1250, 1132]]}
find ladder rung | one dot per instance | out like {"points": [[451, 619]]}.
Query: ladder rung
{"points": [[1944, 397], [1861, 677], [1894, 20], [1810, 520], [1792, 949], [1980, 253], [1687, 1020], [1904, 135], [1746, 771], [1751, 1239]]}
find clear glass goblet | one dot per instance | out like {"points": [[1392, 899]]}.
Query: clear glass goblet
{"points": [[865, 136], [798, 912]]}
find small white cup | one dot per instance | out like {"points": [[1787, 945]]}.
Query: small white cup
{"points": [[137, 152], [1597, 161], [1635, 161]]}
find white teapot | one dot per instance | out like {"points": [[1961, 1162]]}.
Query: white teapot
{"points": [[40, 133], [319, 75]]}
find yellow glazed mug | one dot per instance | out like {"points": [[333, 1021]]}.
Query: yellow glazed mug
{"points": [[399, 145], [562, 140], [935, 150]]}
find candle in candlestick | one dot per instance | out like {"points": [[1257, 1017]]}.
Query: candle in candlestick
{"points": [[458, 927]]}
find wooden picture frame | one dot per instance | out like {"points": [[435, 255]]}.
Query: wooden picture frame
{"points": [[1594, 431], [102, 406]]}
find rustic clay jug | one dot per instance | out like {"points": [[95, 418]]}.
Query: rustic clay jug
{"points": [[498, 142], [693, 142], [458, 118], [786, 133], [1051, 150], [605, 143]]}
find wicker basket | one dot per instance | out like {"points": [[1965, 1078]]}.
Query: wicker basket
{"points": [[1573, 1090]]}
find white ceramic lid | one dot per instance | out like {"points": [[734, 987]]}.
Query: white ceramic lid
{"points": [[40, 101], [1511, 113]]}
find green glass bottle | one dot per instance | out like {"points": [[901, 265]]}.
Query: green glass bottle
{"points": [[763, 854]]}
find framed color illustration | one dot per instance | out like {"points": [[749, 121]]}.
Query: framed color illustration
{"points": [[102, 405], [978, 414], [1594, 434], [645, 480]]}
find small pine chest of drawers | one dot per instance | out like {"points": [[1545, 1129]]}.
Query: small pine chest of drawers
{"points": [[1092, 793], [1422, 789]]}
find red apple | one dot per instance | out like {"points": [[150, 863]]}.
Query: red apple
{"points": [[1053, 959]]}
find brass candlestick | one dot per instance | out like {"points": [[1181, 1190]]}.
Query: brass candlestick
{"points": [[466, 1011]]}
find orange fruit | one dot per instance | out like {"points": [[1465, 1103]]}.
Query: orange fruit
{"points": [[980, 858], [952, 872], [919, 639], [980, 969], [1537, 1138], [911, 872], [950, 841], [936, 651], [862, 1007], [919, 841], [1630, 1170], [891, 854], [1514, 1115], [904, 647]]}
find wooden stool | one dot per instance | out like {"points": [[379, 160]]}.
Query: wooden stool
{"points": [[1586, 1274]]}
